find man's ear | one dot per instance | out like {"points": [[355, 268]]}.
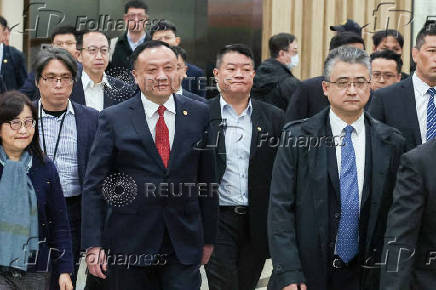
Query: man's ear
{"points": [[178, 40], [325, 88], [415, 52]]}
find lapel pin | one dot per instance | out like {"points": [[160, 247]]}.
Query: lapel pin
{"points": [[185, 112], [5, 61], [259, 129]]}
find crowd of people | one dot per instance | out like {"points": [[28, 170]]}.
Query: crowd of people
{"points": [[110, 153]]}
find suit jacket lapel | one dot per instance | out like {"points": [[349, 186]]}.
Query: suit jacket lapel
{"points": [[82, 139], [318, 176], [332, 163], [368, 165], [381, 156], [180, 125], [257, 127], [409, 106], [217, 135], [139, 122]]}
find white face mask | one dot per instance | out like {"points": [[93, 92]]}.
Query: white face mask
{"points": [[295, 60]]}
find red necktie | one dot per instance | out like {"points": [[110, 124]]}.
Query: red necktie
{"points": [[162, 139]]}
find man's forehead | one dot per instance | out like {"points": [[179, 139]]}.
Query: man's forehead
{"points": [[64, 36], [236, 58], [157, 55], [136, 10]]}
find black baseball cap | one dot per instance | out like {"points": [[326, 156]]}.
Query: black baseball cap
{"points": [[349, 25]]}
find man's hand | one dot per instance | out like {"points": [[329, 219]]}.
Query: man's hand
{"points": [[96, 261], [295, 287], [207, 252], [65, 282]]}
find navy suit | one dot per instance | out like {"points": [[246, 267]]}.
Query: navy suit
{"points": [[29, 87], [124, 144], [13, 69], [194, 96], [54, 230], [195, 77]]}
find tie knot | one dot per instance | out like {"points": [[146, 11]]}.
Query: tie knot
{"points": [[161, 110], [431, 92], [348, 130]]}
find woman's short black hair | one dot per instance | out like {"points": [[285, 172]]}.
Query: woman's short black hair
{"points": [[11, 105]]}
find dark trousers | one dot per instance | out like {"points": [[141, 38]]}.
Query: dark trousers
{"points": [[346, 278], [26, 281], [74, 217], [235, 264]]}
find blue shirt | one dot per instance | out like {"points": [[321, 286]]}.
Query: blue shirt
{"points": [[233, 189], [134, 45], [66, 155]]}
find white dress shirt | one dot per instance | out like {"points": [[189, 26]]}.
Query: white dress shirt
{"points": [[1, 55], [358, 138], [233, 189], [421, 100], [94, 92], [152, 116]]}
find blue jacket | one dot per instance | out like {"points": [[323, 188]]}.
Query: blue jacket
{"points": [[54, 229], [196, 82], [13, 69]]}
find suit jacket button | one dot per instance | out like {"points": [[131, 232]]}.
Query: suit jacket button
{"points": [[337, 215]]}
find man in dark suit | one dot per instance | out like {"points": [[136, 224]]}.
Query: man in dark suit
{"points": [[332, 187], [181, 71], [66, 131], [166, 31], [97, 89], [309, 98], [163, 221], [410, 237], [13, 67], [409, 105], [244, 164], [62, 37], [135, 18]]}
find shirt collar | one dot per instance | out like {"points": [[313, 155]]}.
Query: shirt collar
{"points": [[135, 43], [87, 82], [150, 107], [419, 85], [337, 124], [226, 107], [70, 109], [179, 91]]}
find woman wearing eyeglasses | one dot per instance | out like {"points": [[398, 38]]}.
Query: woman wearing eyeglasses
{"points": [[34, 229]]}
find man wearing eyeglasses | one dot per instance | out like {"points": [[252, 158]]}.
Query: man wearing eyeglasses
{"points": [[99, 90], [66, 132], [62, 37], [385, 69], [331, 190], [135, 18]]}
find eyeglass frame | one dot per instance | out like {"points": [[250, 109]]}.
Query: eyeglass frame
{"points": [[62, 80], [98, 49], [349, 83], [375, 77], [22, 124]]}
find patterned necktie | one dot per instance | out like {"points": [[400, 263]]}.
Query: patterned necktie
{"points": [[347, 245], [162, 137], [431, 115]]}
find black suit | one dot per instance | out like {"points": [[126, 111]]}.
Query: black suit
{"points": [[196, 81], [307, 100], [165, 216], [305, 203], [13, 69], [396, 106], [412, 223], [194, 96], [267, 122]]}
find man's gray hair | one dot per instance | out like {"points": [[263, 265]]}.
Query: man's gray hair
{"points": [[348, 54], [48, 54]]}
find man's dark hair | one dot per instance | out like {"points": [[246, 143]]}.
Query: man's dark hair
{"points": [[163, 25], [135, 4], [279, 42], [238, 48], [53, 53], [82, 33], [379, 36], [429, 29], [144, 46], [179, 51], [389, 55], [344, 38], [3, 22], [65, 29]]}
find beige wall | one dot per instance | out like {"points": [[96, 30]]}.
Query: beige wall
{"points": [[310, 20], [12, 10]]}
